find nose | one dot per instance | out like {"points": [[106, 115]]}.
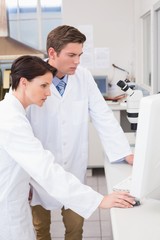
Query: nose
{"points": [[77, 60], [48, 92]]}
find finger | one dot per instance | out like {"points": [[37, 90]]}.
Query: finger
{"points": [[123, 204], [125, 195], [125, 199], [128, 199]]}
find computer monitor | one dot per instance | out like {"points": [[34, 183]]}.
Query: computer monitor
{"points": [[102, 83], [146, 167]]}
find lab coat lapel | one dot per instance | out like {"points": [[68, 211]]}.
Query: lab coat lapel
{"points": [[55, 91], [67, 89], [68, 86]]}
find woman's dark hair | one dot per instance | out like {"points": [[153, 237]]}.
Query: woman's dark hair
{"points": [[29, 67], [59, 37]]}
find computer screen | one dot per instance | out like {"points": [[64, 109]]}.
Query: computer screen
{"points": [[146, 167], [102, 83]]}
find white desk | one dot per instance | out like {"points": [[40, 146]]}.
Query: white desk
{"points": [[138, 223]]}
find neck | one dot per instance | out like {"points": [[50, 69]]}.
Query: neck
{"points": [[62, 77], [20, 97], [59, 74]]}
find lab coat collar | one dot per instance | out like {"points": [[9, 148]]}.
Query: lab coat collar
{"points": [[11, 98]]}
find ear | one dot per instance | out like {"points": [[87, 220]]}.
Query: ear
{"points": [[51, 53], [23, 82]]}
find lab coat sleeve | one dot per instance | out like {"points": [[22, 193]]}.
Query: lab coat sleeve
{"points": [[113, 139], [28, 152]]}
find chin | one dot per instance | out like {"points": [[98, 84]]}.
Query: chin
{"points": [[71, 72], [40, 104]]}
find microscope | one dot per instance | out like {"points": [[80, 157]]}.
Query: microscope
{"points": [[133, 101]]}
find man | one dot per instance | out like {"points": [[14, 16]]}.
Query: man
{"points": [[62, 123]]}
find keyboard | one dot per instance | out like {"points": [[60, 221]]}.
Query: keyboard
{"points": [[124, 185]]}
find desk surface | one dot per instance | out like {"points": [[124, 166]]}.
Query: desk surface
{"points": [[138, 223], [119, 105]]}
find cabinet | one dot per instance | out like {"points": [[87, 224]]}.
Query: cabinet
{"points": [[96, 154]]}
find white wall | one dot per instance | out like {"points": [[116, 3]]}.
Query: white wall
{"points": [[146, 5], [117, 25], [113, 26]]}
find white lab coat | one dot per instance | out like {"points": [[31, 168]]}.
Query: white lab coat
{"points": [[62, 125], [22, 157]]}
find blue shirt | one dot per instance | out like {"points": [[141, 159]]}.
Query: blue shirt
{"points": [[56, 80]]}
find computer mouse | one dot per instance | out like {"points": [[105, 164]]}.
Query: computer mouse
{"points": [[137, 203]]}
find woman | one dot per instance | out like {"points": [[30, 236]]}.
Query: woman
{"points": [[23, 158]]}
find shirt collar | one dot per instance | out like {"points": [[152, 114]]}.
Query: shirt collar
{"points": [[56, 80]]}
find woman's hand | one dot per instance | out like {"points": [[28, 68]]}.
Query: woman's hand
{"points": [[117, 199]]}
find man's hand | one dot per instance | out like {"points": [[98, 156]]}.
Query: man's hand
{"points": [[129, 159]]}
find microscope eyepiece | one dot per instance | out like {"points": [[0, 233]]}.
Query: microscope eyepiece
{"points": [[124, 87]]}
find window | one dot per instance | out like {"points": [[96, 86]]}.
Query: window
{"points": [[158, 46], [30, 21], [147, 49]]}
